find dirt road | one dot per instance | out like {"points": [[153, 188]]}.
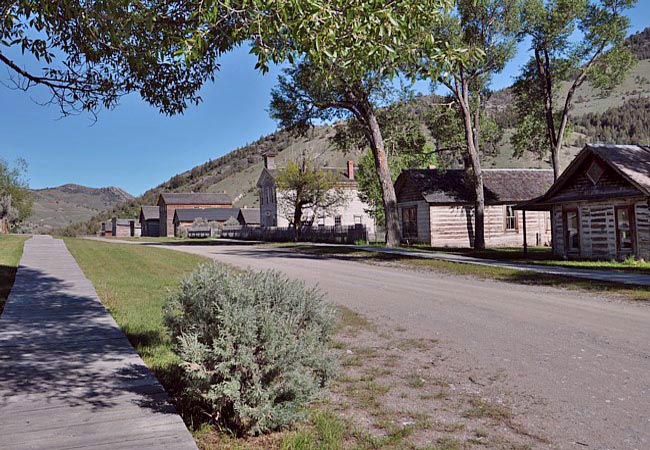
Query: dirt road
{"points": [[575, 368]]}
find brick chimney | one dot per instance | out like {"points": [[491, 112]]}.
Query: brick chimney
{"points": [[269, 160], [351, 170]]}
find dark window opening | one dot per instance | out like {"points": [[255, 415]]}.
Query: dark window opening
{"points": [[410, 221]]}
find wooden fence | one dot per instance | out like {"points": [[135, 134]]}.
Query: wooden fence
{"points": [[328, 235]]}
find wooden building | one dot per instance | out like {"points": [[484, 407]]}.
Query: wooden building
{"points": [[168, 203], [249, 217], [436, 207], [124, 227], [186, 217], [106, 229], [150, 220], [599, 205], [353, 213]]}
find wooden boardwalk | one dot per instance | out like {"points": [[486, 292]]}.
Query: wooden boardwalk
{"points": [[69, 378]]}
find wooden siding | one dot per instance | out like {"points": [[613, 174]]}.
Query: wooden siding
{"points": [[454, 226], [642, 213], [166, 227], [598, 228], [423, 219], [610, 184]]}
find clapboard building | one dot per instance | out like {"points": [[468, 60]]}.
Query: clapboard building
{"points": [[436, 207]]}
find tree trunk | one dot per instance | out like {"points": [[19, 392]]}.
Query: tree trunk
{"points": [[546, 81], [297, 222], [393, 234], [462, 97]]}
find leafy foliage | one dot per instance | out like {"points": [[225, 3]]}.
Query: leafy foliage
{"points": [[88, 54], [600, 57], [15, 198], [254, 345], [304, 187], [406, 147]]}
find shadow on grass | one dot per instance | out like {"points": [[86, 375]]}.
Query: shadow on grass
{"points": [[7, 278]]}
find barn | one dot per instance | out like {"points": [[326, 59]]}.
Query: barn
{"points": [[599, 205], [436, 207], [169, 202], [150, 220]]}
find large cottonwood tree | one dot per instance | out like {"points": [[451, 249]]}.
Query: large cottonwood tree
{"points": [[487, 29], [340, 52], [561, 63]]}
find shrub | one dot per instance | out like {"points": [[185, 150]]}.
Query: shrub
{"points": [[181, 232], [253, 345]]}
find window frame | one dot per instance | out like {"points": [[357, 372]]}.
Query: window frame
{"points": [[514, 218], [338, 221], [565, 216], [410, 231]]}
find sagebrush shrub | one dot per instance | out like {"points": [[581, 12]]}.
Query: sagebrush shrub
{"points": [[254, 345]]}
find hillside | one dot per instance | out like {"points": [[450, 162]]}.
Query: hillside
{"points": [[236, 172], [68, 204]]}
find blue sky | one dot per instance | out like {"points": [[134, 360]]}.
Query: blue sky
{"points": [[136, 148]]}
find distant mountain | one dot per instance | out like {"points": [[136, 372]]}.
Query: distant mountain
{"points": [[69, 204], [237, 172]]}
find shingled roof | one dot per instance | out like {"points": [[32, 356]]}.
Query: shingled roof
{"points": [[209, 214], [632, 162], [251, 216], [202, 198], [150, 212], [452, 186]]}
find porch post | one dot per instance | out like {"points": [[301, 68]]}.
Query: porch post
{"points": [[525, 237]]}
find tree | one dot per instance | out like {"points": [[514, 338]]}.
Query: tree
{"points": [[600, 57], [341, 53], [302, 187], [15, 198], [88, 54], [406, 148], [487, 29]]}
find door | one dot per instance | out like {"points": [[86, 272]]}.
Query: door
{"points": [[624, 231], [572, 232]]}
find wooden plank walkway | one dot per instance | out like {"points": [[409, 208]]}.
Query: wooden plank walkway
{"points": [[69, 378]]}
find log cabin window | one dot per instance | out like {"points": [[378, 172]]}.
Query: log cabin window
{"points": [[511, 218], [594, 172], [624, 231], [572, 233], [410, 221]]}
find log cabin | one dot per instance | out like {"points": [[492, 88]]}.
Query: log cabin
{"points": [[599, 205], [436, 207]]}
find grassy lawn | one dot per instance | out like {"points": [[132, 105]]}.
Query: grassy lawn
{"points": [[541, 256], [476, 271], [11, 250]]}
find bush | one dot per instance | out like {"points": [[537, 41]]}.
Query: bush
{"points": [[253, 345], [181, 232]]}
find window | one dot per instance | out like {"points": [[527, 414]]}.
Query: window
{"points": [[261, 196], [624, 236], [410, 221], [337, 221], [594, 172], [321, 221], [511, 218], [572, 230], [358, 220]]}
